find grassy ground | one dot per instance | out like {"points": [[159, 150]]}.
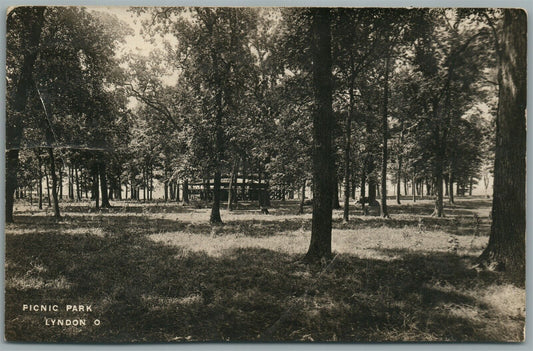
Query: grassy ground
{"points": [[160, 272]]}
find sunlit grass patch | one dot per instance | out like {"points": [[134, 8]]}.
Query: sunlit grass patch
{"points": [[36, 283], [161, 272]]}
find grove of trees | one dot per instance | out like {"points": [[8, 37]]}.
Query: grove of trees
{"points": [[261, 103]]}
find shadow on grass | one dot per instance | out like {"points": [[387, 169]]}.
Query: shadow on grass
{"points": [[137, 225], [143, 291], [120, 223]]}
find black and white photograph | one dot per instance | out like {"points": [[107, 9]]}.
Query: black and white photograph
{"points": [[265, 174]]}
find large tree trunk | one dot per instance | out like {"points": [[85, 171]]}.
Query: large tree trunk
{"points": [[15, 123], [335, 204], [54, 182], [385, 137], [507, 237], [320, 245]]}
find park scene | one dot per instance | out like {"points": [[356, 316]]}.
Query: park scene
{"points": [[214, 174]]}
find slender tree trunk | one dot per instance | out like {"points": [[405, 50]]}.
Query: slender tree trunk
{"points": [[439, 207], [60, 185], [347, 143], [230, 188], [414, 187], [385, 133], [132, 186], [48, 187], [320, 245], [399, 174], [185, 194], [78, 189], [145, 183], [243, 179], [70, 186], [363, 188], [40, 185], [371, 189], [151, 178], [302, 199], [450, 185], [507, 237], [54, 182], [95, 190], [103, 185], [470, 186]]}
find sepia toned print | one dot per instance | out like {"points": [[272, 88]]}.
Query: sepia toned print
{"points": [[186, 174]]}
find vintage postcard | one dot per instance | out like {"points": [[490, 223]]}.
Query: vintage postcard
{"points": [[191, 174]]}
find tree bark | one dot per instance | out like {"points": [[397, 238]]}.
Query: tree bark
{"points": [[385, 137], [320, 245], [219, 149], [347, 143], [507, 237], [103, 185], [399, 174], [450, 185], [60, 185], [15, 123], [54, 182], [230, 187], [335, 204], [40, 185], [49, 198], [95, 191], [372, 189], [439, 207], [185, 194], [414, 187], [363, 187], [78, 189], [302, 199]]}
